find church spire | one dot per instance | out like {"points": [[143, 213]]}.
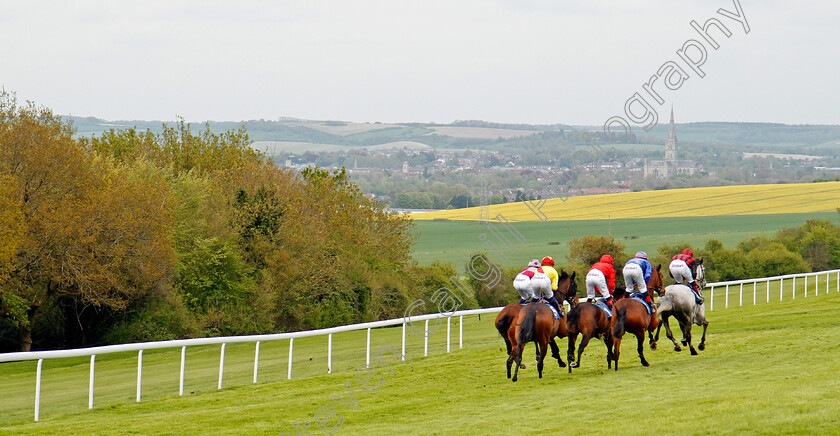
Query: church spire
{"points": [[671, 142]]}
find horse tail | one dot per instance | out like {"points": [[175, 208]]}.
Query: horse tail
{"points": [[618, 329], [526, 328], [572, 317], [503, 323], [665, 305]]}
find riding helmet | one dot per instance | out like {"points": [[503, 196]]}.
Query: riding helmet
{"points": [[534, 262], [548, 261], [641, 254]]}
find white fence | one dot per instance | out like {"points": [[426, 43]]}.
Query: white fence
{"points": [[257, 339]]}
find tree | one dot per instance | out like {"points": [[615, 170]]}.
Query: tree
{"points": [[588, 249], [96, 232]]}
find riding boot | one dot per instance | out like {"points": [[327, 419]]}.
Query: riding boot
{"points": [[553, 301], [523, 301], [698, 297], [609, 302]]}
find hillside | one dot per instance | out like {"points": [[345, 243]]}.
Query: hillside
{"points": [[710, 201]]}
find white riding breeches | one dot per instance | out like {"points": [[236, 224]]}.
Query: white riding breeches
{"points": [[522, 284], [633, 276], [595, 281], [680, 271], [541, 283]]}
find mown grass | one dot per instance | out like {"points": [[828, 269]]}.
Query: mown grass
{"points": [[767, 369], [455, 241]]}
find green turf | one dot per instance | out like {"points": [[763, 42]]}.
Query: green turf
{"points": [[454, 241], [767, 369]]}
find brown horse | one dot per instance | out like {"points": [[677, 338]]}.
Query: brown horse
{"points": [[536, 322], [589, 321], [506, 320], [629, 315]]}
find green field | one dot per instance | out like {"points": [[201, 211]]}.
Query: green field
{"points": [[454, 241], [767, 369]]}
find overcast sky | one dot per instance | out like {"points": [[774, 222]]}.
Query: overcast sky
{"points": [[523, 61]]}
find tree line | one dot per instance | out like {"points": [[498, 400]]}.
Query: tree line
{"points": [[137, 236]]}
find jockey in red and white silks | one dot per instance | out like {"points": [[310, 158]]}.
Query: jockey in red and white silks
{"points": [[531, 282]]}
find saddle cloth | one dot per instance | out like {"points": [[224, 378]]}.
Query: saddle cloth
{"points": [[553, 310], [600, 304], [638, 296]]}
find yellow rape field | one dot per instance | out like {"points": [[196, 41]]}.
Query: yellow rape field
{"points": [[711, 201]]}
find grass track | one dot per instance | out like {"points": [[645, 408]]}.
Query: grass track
{"points": [[768, 369], [454, 241]]}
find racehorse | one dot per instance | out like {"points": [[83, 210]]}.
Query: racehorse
{"points": [[506, 320], [630, 315], [536, 323], [680, 303], [590, 321]]}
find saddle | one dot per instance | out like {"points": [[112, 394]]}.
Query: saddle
{"points": [[640, 297], [553, 310], [603, 306]]}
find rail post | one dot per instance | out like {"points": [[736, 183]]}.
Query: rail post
{"points": [[291, 352], [90, 390], [256, 360], [329, 354], [38, 390], [139, 373], [221, 366], [183, 367], [461, 332]]}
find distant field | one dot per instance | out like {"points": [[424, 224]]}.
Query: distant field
{"points": [[276, 147], [454, 241], [339, 128], [767, 369], [481, 132], [712, 201]]}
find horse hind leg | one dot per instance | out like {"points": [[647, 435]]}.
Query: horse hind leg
{"points": [[570, 355], [686, 328], [541, 357], [705, 324], [617, 351], [555, 352], [518, 362], [583, 343], [640, 337], [670, 334], [608, 341]]}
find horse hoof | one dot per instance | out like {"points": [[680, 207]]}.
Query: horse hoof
{"points": [[701, 347], [573, 365], [644, 363], [677, 348], [514, 380], [562, 364], [694, 352], [653, 346], [684, 342]]}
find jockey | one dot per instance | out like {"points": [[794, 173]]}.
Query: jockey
{"points": [[601, 278], [548, 268], [637, 272], [522, 282], [682, 269]]}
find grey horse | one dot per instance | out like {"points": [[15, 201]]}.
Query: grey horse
{"points": [[679, 302]]}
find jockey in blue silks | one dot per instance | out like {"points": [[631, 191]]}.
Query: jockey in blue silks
{"points": [[637, 272]]}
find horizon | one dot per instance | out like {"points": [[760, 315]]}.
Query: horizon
{"points": [[532, 61]]}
